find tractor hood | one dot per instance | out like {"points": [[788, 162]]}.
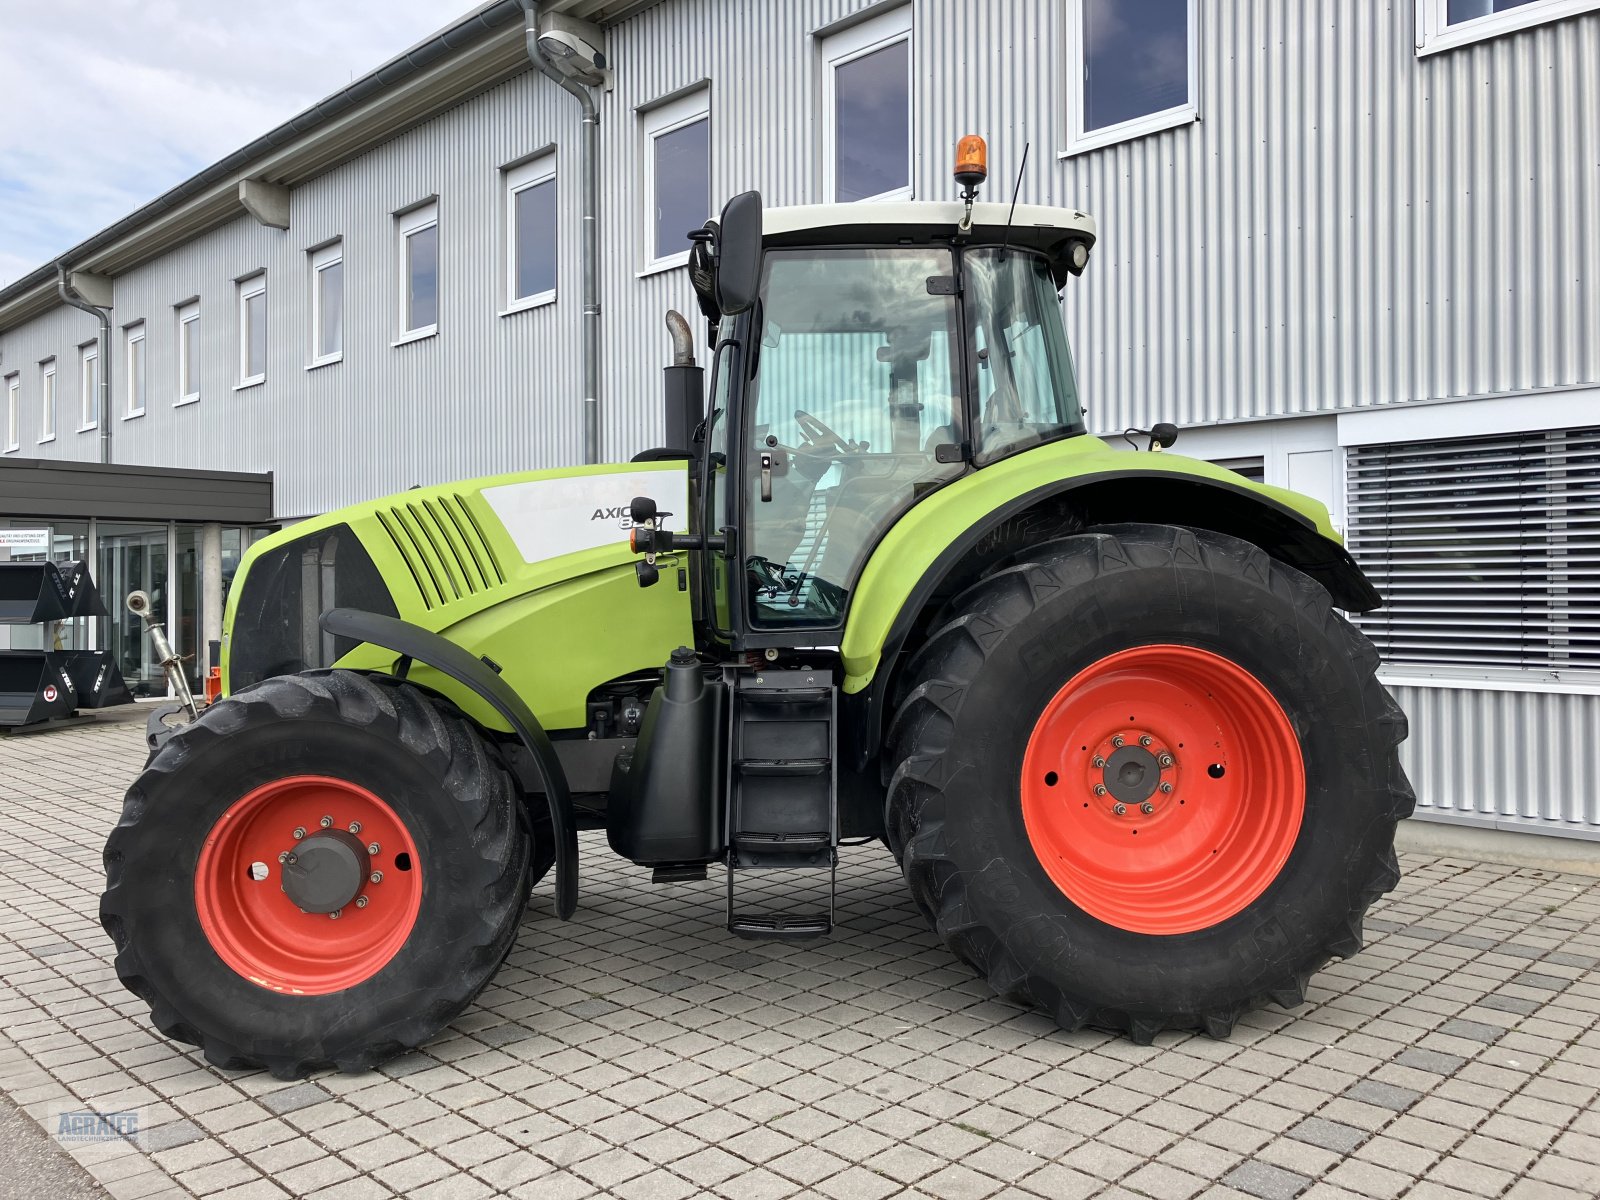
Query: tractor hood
{"points": [[461, 559]]}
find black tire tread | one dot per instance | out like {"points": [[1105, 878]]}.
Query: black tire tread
{"points": [[429, 727], [921, 731]]}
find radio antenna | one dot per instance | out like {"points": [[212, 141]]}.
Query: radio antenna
{"points": [[1017, 187]]}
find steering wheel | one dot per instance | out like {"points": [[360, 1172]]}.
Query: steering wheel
{"points": [[817, 433]]}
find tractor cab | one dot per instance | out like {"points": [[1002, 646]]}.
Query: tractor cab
{"points": [[866, 355]]}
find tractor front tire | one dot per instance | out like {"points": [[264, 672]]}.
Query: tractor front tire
{"points": [[1145, 778], [323, 870]]}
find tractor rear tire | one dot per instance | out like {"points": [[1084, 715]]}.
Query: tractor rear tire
{"points": [[1146, 778], [411, 815]]}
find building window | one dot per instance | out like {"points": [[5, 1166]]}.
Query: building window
{"points": [[188, 352], [677, 148], [252, 330], [327, 304], [418, 232], [1137, 63], [88, 386], [867, 109], [1446, 24], [530, 233], [1484, 549], [47, 400], [133, 368], [13, 411]]}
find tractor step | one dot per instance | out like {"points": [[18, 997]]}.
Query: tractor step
{"points": [[792, 927], [782, 790]]}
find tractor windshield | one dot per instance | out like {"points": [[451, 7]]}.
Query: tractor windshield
{"points": [[856, 384], [1022, 382]]}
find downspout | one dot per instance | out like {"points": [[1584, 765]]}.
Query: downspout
{"points": [[103, 315], [589, 245]]}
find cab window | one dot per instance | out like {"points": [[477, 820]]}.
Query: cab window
{"points": [[856, 385]]}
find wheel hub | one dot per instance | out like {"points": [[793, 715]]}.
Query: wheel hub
{"points": [[1132, 774], [325, 871]]}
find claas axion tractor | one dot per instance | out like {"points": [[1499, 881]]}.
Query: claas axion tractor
{"points": [[880, 583]]}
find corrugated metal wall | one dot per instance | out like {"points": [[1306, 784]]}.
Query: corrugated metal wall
{"points": [[1514, 760]]}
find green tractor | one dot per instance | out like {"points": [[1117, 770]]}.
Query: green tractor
{"points": [[1099, 704]]}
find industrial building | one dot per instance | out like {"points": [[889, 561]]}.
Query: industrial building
{"points": [[1350, 248]]}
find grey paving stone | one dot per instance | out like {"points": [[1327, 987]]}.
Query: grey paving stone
{"points": [[1434, 1061], [1385, 1095], [1475, 1030], [1534, 979], [292, 1099], [170, 1136], [1266, 1181], [1330, 1135]]}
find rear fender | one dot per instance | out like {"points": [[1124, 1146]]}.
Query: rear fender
{"points": [[922, 556]]}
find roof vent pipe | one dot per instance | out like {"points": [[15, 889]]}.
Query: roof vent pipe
{"points": [[70, 295], [589, 254]]}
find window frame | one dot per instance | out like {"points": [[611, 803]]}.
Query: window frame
{"points": [[133, 334], [47, 399], [13, 384], [515, 179], [407, 223], [188, 321], [846, 46], [247, 289], [1081, 140], [1435, 34], [88, 390], [661, 118], [318, 260]]}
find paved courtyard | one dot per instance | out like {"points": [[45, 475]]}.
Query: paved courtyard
{"points": [[641, 1052]]}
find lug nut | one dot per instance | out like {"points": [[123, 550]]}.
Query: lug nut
{"points": [[299, 832], [336, 914], [372, 847], [1097, 761], [1166, 788], [1119, 809], [376, 877], [361, 901], [284, 856], [1145, 740], [1099, 789], [326, 822], [1164, 760], [1147, 808], [355, 826], [1118, 741]]}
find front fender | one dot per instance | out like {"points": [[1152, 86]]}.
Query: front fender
{"points": [[413, 642]]}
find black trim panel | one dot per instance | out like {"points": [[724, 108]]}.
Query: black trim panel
{"points": [[414, 642]]}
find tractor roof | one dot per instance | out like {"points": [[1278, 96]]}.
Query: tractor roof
{"points": [[1037, 226]]}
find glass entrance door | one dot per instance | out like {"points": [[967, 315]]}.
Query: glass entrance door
{"points": [[134, 558]]}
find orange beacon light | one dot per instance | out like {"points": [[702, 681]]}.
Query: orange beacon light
{"points": [[972, 164]]}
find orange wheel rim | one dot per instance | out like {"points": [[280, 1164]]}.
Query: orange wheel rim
{"points": [[1163, 789], [316, 840]]}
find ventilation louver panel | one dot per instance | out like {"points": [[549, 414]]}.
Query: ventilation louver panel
{"points": [[444, 548], [1486, 549]]}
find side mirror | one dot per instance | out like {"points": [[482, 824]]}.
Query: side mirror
{"points": [[739, 253]]}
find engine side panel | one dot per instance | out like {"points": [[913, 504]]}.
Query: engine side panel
{"points": [[531, 571]]}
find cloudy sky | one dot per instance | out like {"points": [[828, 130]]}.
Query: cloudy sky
{"points": [[110, 102]]}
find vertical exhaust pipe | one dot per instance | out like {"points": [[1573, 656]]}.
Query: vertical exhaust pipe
{"points": [[683, 384]]}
